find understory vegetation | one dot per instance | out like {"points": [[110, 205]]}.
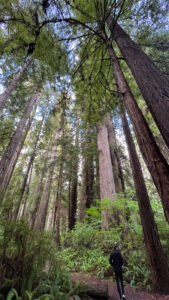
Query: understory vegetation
{"points": [[32, 267]]}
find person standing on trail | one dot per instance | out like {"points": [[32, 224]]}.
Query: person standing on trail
{"points": [[116, 261]]}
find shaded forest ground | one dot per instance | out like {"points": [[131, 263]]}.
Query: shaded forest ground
{"points": [[103, 285]]}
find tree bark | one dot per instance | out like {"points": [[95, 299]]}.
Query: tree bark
{"points": [[117, 170], [14, 159], [107, 187], [154, 159], [42, 213], [153, 84], [15, 140], [6, 94], [157, 260], [38, 191], [82, 204], [74, 182], [29, 166]]}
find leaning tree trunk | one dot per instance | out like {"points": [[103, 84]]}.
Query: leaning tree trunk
{"points": [[15, 140], [74, 182], [117, 170], [29, 166], [157, 260], [6, 94], [14, 159], [42, 213], [154, 159], [107, 187], [153, 84]]}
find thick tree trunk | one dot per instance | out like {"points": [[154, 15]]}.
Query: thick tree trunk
{"points": [[107, 187], [74, 181], [42, 213], [6, 94], [15, 140], [82, 204], [13, 160], [153, 84], [117, 170], [154, 159], [29, 166], [157, 260]]}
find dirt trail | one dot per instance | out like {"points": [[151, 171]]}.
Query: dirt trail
{"points": [[110, 288]]}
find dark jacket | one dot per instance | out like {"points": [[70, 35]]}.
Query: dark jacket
{"points": [[116, 260]]}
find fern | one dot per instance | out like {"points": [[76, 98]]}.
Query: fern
{"points": [[13, 293]]}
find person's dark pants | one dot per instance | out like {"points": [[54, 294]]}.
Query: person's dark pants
{"points": [[119, 282]]}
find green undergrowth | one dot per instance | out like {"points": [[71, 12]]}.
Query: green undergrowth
{"points": [[87, 248], [30, 266]]}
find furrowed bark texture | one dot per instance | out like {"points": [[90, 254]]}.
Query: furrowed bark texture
{"points": [[14, 159], [157, 260], [107, 187], [42, 213], [154, 159], [15, 140], [117, 170], [6, 94], [153, 84]]}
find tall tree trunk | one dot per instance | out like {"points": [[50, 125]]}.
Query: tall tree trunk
{"points": [[107, 187], [89, 172], [26, 204], [153, 84], [157, 260], [38, 191], [154, 159], [73, 195], [117, 170], [29, 166], [42, 213], [82, 204], [10, 169], [6, 94], [15, 140]]}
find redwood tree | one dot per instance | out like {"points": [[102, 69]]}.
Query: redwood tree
{"points": [[158, 263], [153, 84], [154, 159]]}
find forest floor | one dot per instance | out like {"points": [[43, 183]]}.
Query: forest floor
{"points": [[131, 293]]}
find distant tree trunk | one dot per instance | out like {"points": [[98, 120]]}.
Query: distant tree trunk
{"points": [[74, 182], [157, 260], [29, 166], [38, 191], [89, 173], [153, 84], [57, 206], [42, 213], [82, 204], [6, 94], [154, 159], [14, 158], [117, 170], [25, 205], [107, 187]]}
